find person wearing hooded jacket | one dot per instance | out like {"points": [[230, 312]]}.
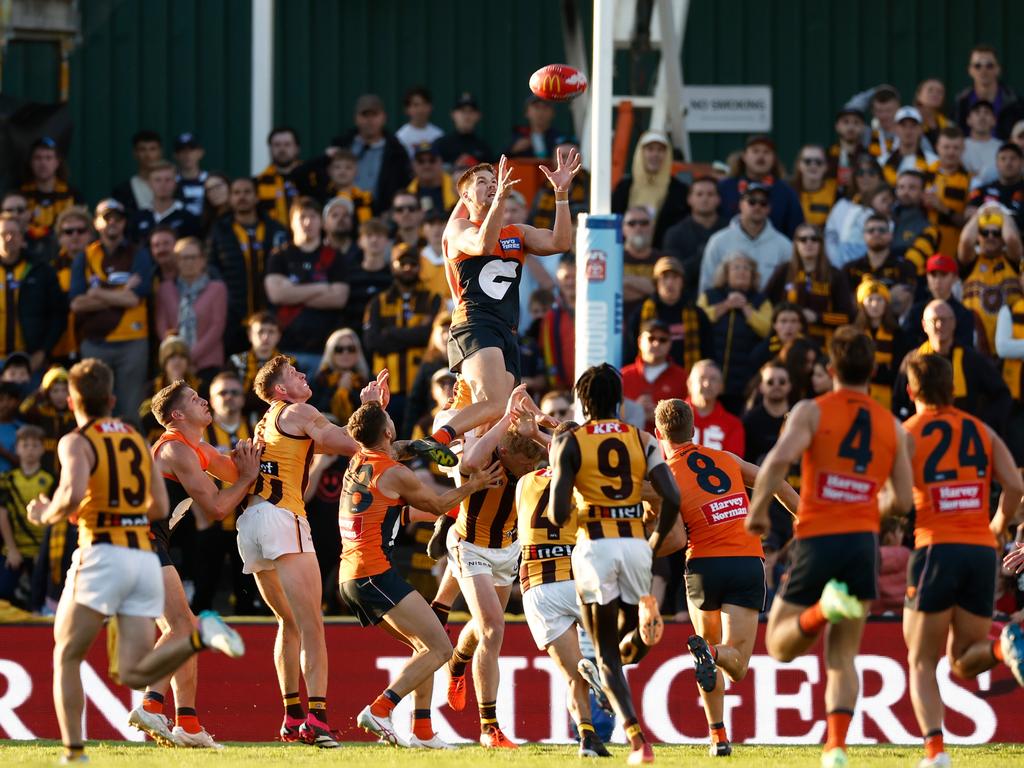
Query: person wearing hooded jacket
{"points": [[651, 184]]}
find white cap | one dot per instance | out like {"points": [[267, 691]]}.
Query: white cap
{"points": [[650, 137], [908, 113]]}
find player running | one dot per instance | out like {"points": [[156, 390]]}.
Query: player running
{"points": [[484, 266], [185, 460], [603, 464], [725, 584], [108, 483], [952, 572], [849, 447], [376, 493]]}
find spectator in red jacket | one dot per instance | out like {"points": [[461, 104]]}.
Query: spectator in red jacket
{"points": [[713, 426], [653, 377]]}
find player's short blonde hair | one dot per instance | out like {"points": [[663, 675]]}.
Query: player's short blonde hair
{"points": [[92, 382], [166, 400], [467, 178], [674, 419], [268, 376]]}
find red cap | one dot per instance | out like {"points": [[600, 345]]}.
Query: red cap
{"points": [[940, 263]]}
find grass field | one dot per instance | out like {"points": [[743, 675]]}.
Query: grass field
{"points": [[528, 756]]}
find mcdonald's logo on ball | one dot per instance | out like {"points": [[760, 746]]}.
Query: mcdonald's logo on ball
{"points": [[558, 82]]}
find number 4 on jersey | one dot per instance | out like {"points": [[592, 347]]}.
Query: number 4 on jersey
{"points": [[856, 446]]}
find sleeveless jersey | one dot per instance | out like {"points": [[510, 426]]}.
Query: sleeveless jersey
{"points": [[952, 478], [224, 441], [546, 547], [847, 463], [368, 520], [176, 493], [715, 503], [487, 518], [487, 287], [284, 468], [610, 480], [118, 495]]}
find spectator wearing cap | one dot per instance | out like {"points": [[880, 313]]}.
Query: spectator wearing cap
{"points": [[432, 270], [981, 144], [47, 192], [639, 257], [542, 213], [876, 318], [990, 248], [406, 218], [941, 275], [977, 386], [882, 264], [910, 153], [850, 130], [464, 140], [948, 188], [713, 426], [191, 178], [306, 282], [685, 240], [653, 376], [1010, 349], [342, 167], [758, 163], [134, 194], [984, 70], [910, 220], [340, 229], [279, 183], [110, 284], [396, 328], [1007, 188], [672, 304], [431, 185], [47, 408], [812, 283], [164, 208], [751, 232], [651, 184], [535, 138], [240, 246], [383, 161], [816, 190], [33, 314], [74, 233], [930, 101], [419, 130]]}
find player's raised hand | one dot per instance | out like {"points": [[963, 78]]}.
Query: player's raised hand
{"points": [[517, 399], [1014, 562], [246, 456], [568, 165], [505, 181], [36, 508], [489, 477], [377, 390]]}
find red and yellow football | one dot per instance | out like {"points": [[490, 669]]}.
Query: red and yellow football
{"points": [[558, 82]]}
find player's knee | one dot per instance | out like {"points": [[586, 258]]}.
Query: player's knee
{"points": [[131, 678], [492, 633], [779, 651], [738, 674], [64, 654], [441, 651], [181, 624]]}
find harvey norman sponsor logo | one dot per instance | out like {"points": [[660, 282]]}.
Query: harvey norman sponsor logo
{"points": [[724, 510], [957, 497], [834, 486]]}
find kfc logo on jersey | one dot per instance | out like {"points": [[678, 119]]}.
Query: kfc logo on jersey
{"points": [[608, 428], [833, 486], [725, 510], [597, 266], [510, 244], [957, 497], [111, 427], [497, 276]]}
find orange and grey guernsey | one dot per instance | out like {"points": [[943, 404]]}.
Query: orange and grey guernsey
{"points": [[368, 520], [850, 458], [952, 478], [284, 466], [486, 288], [547, 548], [715, 503], [609, 480], [487, 518], [119, 490]]}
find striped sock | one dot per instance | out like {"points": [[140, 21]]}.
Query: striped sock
{"points": [[187, 720], [384, 704], [293, 706], [488, 715], [421, 726], [153, 702], [318, 709]]}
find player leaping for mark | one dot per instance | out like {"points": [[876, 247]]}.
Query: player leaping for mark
{"points": [[484, 266], [375, 495]]}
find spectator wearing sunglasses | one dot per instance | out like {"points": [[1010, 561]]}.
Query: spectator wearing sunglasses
{"points": [[845, 220], [342, 373], [883, 265], [990, 246], [653, 377], [817, 191], [984, 70], [758, 163], [73, 228]]}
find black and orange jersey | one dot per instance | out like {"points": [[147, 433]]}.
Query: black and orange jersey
{"points": [[47, 206], [284, 466], [391, 322], [953, 189], [176, 493], [487, 518], [715, 503], [368, 520], [113, 324], [610, 480], [547, 548], [848, 461], [120, 487], [952, 478], [487, 287]]}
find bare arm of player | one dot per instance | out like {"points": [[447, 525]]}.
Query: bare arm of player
{"points": [[213, 502], [797, 433], [159, 502], [302, 418], [1004, 469], [471, 240], [75, 467], [786, 495], [316, 470], [565, 463], [558, 239], [900, 485], [401, 482], [664, 484]]}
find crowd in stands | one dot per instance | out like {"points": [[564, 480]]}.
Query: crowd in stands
{"points": [[906, 223]]}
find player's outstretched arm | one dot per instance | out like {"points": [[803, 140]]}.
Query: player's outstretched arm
{"points": [[786, 495], [215, 503], [1008, 476], [75, 468], [159, 501], [400, 481], [326, 437], [565, 463], [471, 240], [797, 433], [558, 239]]}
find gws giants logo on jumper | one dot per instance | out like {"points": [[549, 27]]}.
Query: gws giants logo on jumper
{"points": [[607, 428], [957, 497], [726, 509], [846, 489], [497, 276]]}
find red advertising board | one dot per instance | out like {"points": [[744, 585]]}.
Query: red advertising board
{"points": [[775, 703]]}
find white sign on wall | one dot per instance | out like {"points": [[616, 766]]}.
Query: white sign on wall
{"points": [[728, 108]]}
